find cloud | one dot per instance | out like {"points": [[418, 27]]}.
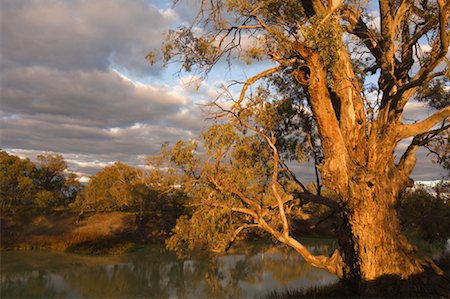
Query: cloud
{"points": [[91, 112], [94, 98], [416, 111], [82, 34]]}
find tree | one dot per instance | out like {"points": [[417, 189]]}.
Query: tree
{"points": [[427, 214], [328, 56], [50, 178], [110, 189], [45, 184], [16, 181], [146, 192]]}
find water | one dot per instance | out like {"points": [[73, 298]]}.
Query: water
{"points": [[250, 271]]}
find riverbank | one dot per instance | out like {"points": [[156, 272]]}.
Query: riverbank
{"points": [[111, 233]]}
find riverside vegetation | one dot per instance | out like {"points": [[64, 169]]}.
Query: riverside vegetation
{"points": [[44, 206]]}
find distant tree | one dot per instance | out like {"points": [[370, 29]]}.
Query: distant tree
{"points": [[110, 189], [46, 184], [57, 186], [426, 213], [149, 193], [16, 181], [71, 188], [323, 54], [160, 200]]}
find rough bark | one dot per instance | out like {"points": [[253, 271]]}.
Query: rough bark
{"points": [[379, 245]]}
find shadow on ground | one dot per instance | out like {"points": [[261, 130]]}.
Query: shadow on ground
{"points": [[426, 285]]}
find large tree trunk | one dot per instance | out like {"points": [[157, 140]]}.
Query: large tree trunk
{"points": [[376, 245], [379, 244]]}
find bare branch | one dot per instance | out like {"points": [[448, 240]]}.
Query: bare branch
{"points": [[401, 13], [309, 197], [252, 80], [408, 159], [406, 131], [359, 28], [334, 263], [437, 54], [276, 159], [229, 31], [294, 177]]}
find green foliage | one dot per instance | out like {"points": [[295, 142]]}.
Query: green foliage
{"points": [[16, 181], [427, 215], [182, 155], [206, 230], [436, 94], [51, 179], [245, 180], [150, 194], [46, 184], [238, 164], [45, 199], [198, 51], [324, 37], [110, 189]]}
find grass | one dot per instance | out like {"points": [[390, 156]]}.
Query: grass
{"points": [[109, 233], [336, 290]]}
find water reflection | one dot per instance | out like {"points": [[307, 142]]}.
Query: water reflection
{"points": [[153, 272]]}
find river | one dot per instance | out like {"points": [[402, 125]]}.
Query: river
{"points": [[250, 271]]}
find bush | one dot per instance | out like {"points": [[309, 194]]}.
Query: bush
{"points": [[426, 215]]}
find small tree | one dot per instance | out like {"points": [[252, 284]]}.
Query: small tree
{"points": [[110, 189], [323, 55], [50, 178]]}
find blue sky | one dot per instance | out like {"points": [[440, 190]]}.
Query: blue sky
{"points": [[74, 81]]}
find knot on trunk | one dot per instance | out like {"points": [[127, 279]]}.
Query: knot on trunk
{"points": [[302, 74]]}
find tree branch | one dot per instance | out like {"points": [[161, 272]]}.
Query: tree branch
{"points": [[276, 159], [406, 131], [233, 209], [238, 193], [237, 232], [401, 13], [309, 197], [359, 28], [437, 54], [252, 80], [335, 152], [334, 263]]}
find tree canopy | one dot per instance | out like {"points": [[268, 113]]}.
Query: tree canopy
{"points": [[46, 184]]}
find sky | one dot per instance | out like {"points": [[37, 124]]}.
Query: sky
{"points": [[74, 81]]}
